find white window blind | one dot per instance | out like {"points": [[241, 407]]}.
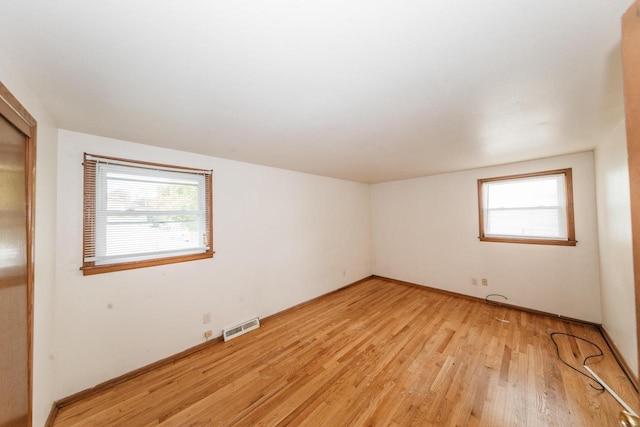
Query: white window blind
{"points": [[526, 208], [136, 212]]}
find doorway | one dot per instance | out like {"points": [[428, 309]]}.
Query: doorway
{"points": [[17, 159]]}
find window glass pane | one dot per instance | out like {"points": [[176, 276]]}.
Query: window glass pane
{"points": [[525, 208], [142, 213], [523, 193], [525, 223], [153, 233], [128, 192]]}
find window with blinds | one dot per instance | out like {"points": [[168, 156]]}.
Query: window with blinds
{"points": [[139, 214], [530, 208]]}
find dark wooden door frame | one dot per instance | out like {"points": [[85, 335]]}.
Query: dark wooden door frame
{"points": [[18, 116]]}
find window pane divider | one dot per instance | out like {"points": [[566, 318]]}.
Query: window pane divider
{"points": [[148, 213], [527, 208]]}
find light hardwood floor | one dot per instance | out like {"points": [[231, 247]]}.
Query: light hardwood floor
{"points": [[376, 353]]}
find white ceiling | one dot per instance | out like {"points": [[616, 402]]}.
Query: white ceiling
{"points": [[365, 90]]}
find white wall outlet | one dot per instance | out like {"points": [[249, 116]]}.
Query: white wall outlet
{"points": [[206, 318], [485, 282], [208, 334], [474, 281]]}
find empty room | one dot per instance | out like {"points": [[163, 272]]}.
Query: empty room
{"points": [[319, 213]]}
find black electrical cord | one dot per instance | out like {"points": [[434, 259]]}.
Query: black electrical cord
{"points": [[553, 334], [488, 301]]}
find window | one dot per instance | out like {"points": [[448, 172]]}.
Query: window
{"points": [[529, 208], [139, 214]]}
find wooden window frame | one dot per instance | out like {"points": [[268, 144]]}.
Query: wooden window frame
{"points": [[571, 234], [89, 219]]}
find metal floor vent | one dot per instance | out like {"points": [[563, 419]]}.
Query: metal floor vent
{"points": [[243, 328]]}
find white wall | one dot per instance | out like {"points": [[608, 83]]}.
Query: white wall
{"points": [[425, 231], [43, 358], [616, 252], [280, 238]]}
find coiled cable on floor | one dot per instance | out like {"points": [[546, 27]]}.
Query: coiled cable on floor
{"points": [[553, 334], [494, 302]]}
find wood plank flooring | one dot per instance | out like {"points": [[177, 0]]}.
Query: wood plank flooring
{"points": [[377, 353]]}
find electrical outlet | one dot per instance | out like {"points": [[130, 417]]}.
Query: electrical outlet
{"points": [[208, 334], [485, 282], [206, 318], [474, 281]]}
